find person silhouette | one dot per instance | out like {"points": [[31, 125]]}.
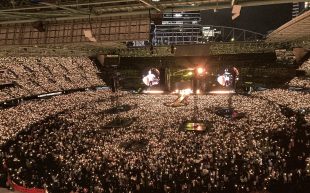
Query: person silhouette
{"points": [[226, 77], [150, 77]]}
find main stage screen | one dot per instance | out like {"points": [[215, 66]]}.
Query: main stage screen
{"points": [[151, 77]]}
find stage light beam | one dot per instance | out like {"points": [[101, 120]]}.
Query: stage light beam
{"points": [[200, 70]]}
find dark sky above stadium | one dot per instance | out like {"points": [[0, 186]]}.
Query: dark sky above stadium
{"points": [[259, 19]]}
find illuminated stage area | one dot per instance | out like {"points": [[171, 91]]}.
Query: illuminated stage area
{"points": [[184, 81], [147, 144], [222, 92]]}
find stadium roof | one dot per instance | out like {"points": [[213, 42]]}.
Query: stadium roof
{"points": [[297, 28], [32, 10], [66, 20]]}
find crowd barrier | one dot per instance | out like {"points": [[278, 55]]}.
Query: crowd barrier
{"points": [[17, 101], [23, 189], [26, 190]]}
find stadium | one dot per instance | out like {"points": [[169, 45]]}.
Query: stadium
{"points": [[151, 96]]}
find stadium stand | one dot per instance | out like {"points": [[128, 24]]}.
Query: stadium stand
{"points": [[302, 82], [28, 76]]}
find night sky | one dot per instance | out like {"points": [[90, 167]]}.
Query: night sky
{"points": [[259, 19]]}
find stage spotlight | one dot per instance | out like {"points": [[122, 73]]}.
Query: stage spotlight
{"points": [[200, 70]]}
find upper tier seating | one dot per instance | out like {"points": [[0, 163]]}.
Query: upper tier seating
{"points": [[38, 75]]}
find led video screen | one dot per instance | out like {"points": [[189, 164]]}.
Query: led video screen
{"points": [[151, 77]]}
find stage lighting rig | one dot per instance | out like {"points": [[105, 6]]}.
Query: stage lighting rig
{"points": [[200, 71]]}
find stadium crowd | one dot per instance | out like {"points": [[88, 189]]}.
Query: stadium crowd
{"points": [[62, 144], [303, 82], [38, 75], [292, 99], [305, 66]]}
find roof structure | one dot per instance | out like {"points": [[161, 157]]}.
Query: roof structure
{"points": [[297, 28], [31, 10], [59, 26]]}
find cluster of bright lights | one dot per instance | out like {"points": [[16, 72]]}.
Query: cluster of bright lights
{"points": [[191, 126], [178, 15], [200, 70], [153, 92], [222, 92], [187, 91]]}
